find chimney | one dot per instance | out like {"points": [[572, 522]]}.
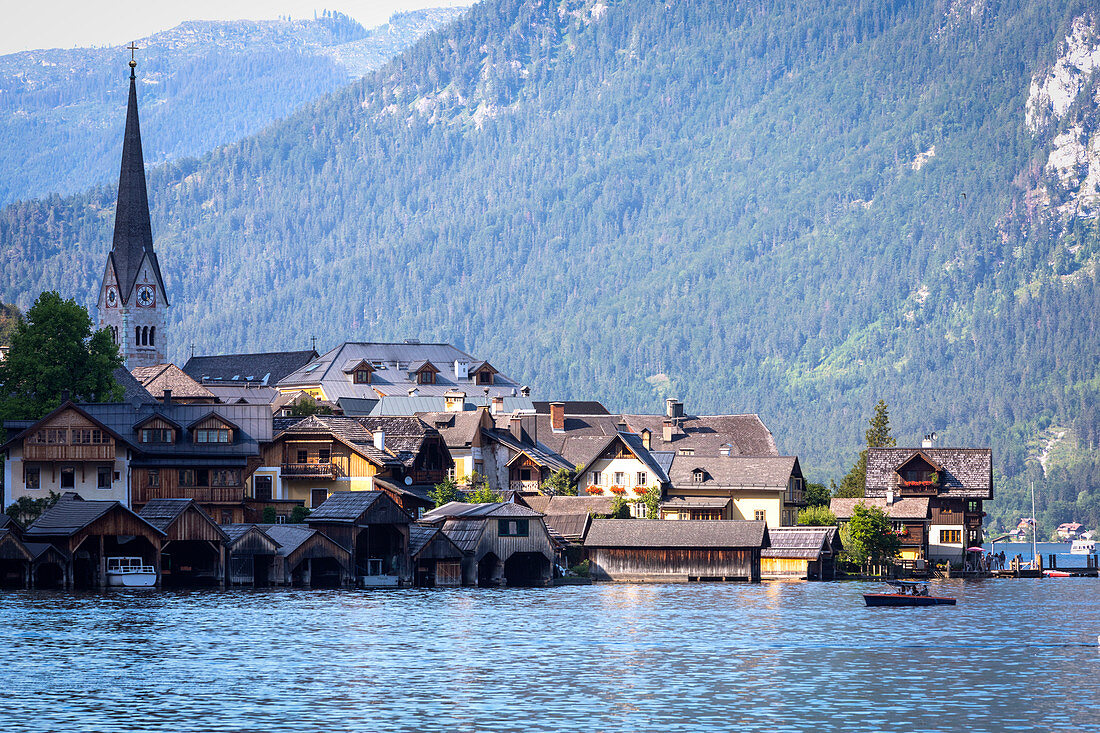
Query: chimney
{"points": [[646, 438], [557, 417], [525, 391], [674, 408], [167, 397], [621, 426], [497, 405], [454, 401], [414, 392], [666, 430], [515, 426], [380, 439], [929, 440], [462, 369], [725, 450], [890, 496]]}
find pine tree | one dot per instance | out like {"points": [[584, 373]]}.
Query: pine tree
{"points": [[877, 436]]}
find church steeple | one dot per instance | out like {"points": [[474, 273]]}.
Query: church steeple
{"points": [[132, 300]]}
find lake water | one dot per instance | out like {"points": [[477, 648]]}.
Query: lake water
{"points": [[1014, 655], [1045, 549]]}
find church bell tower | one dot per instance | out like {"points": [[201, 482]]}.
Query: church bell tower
{"points": [[133, 303]]}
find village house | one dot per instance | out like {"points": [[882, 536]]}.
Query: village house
{"points": [[909, 517], [463, 433], [502, 543], [636, 550], [704, 435], [167, 382], [722, 486], [954, 480], [374, 370]]}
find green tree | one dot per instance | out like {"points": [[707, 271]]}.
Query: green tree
{"points": [[298, 514], [817, 516], [652, 501], [445, 492], [269, 516], [620, 508], [817, 495], [482, 494], [877, 436], [55, 351], [305, 406], [870, 536], [25, 509], [10, 318], [561, 483]]}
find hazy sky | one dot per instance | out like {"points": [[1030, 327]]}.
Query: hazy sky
{"points": [[68, 23]]}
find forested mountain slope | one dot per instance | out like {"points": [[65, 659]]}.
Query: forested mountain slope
{"points": [[785, 208], [203, 84]]}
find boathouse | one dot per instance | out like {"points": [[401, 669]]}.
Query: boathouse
{"points": [[800, 553], [436, 559], [308, 558], [374, 528], [503, 543], [89, 532], [194, 549], [252, 554], [651, 550], [15, 558]]}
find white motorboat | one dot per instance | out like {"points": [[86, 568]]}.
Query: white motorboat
{"points": [[130, 572], [1082, 547]]}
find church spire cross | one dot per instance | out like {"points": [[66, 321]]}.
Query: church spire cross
{"points": [[133, 64]]}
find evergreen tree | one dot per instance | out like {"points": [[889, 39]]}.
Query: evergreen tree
{"points": [[877, 436], [561, 483], [54, 352]]}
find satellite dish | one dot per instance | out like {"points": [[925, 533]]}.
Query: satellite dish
{"points": [[408, 480]]}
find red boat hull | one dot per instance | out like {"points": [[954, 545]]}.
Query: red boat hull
{"points": [[894, 599]]}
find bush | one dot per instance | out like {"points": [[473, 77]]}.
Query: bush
{"points": [[817, 516], [298, 514], [581, 569], [269, 516]]}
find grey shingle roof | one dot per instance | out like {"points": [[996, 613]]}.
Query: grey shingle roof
{"points": [[267, 368], [721, 471], [162, 512], [706, 434], [347, 429], [156, 379], [71, 514], [685, 534], [571, 527], [289, 536], [967, 472], [458, 509], [465, 533], [805, 543], [344, 506], [581, 505], [589, 407], [236, 531], [133, 392], [419, 537], [915, 508], [457, 428], [697, 502]]}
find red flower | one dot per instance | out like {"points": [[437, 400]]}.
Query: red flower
{"points": [[594, 490], [618, 490], [640, 490]]}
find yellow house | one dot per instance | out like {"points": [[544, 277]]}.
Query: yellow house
{"points": [[463, 432], [767, 488]]}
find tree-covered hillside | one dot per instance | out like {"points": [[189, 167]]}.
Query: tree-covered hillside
{"points": [[786, 208], [203, 84]]}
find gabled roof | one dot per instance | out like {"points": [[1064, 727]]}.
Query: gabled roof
{"points": [[570, 527], [804, 543], [685, 534], [921, 456], [345, 430], [577, 505], [71, 514], [266, 368], [132, 391], [465, 533], [733, 471], [162, 513], [966, 473], [420, 536], [349, 507], [237, 533], [212, 414], [457, 428], [67, 405], [156, 416], [494, 510], [156, 379], [633, 443], [911, 508]]}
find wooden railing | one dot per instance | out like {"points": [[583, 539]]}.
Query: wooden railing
{"points": [[100, 452], [941, 517], [201, 494], [523, 485], [309, 470]]}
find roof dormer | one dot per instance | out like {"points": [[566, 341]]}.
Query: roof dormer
{"points": [[423, 372], [213, 428], [483, 374], [359, 370]]}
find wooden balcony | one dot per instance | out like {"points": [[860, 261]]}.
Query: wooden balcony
{"points": [[914, 537], [940, 516], [310, 470], [523, 485], [74, 453], [428, 477], [201, 494]]}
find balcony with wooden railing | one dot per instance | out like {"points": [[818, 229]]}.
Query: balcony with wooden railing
{"points": [[310, 470], [201, 494], [942, 516], [40, 453], [915, 488]]}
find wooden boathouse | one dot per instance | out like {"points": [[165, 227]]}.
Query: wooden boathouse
{"points": [[436, 559], [194, 548], [652, 550], [252, 555], [800, 553], [308, 558], [374, 528]]}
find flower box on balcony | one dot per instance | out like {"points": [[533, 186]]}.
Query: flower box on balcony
{"points": [[618, 490], [594, 490], [640, 490]]}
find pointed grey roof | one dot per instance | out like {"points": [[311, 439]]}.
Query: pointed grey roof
{"points": [[133, 238]]}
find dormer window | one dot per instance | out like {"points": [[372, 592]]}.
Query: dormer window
{"points": [[698, 475], [425, 376], [212, 435], [485, 377], [157, 435], [362, 376]]}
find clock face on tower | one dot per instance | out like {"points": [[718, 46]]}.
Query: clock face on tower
{"points": [[112, 296], [145, 296]]}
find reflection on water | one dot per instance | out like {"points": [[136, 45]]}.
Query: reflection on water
{"points": [[1016, 655]]}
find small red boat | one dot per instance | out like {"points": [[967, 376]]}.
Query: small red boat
{"points": [[908, 593], [1056, 574]]}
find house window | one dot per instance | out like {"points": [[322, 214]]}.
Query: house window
{"points": [[512, 527], [156, 435], [697, 475], [973, 506], [639, 510], [88, 436], [761, 515], [485, 377], [303, 456], [362, 376], [153, 475], [261, 488], [452, 473], [32, 477], [596, 478], [103, 477], [620, 478], [227, 517], [324, 456], [425, 377], [68, 477], [525, 474], [642, 479], [950, 536], [686, 452], [213, 435], [51, 436], [317, 497], [202, 477], [186, 477]]}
